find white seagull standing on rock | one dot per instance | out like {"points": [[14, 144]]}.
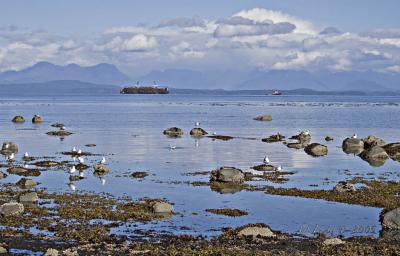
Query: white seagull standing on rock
{"points": [[74, 149], [72, 186], [81, 160], [172, 147], [354, 136], [26, 154], [266, 160], [72, 169], [79, 151], [197, 124], [103, 180], [11, 157], [279, 168], [103, 160], [81, 174]]}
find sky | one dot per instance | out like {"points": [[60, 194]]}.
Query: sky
{"points": [[140, 36]]}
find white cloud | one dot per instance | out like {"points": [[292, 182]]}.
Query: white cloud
{"points": [[135, 43]]}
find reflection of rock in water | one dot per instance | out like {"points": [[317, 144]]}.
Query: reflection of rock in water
{"points": [[226, 188], [375, 156]]}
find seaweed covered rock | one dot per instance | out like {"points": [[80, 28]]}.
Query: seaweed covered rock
{"points": [[391, 219], [393, 150], [297, 145], [353, 146], [344, 186], [264, 168], [198, 132], [58, 125], [173, 132], [316, 149], [372, 141], [61, 133], [139, 174], [26, 183], [9, 147], [227, 174], [302, 137], [29, 197], [263, 118], [37, 119], [18, 119], [256, 231], [273, 138], [11, 209], [101, 168], [161, 207]]}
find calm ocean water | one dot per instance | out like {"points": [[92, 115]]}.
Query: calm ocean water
{"points": [[128, 130]]}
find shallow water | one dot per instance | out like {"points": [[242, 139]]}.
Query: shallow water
{"points": [[128, 130]]}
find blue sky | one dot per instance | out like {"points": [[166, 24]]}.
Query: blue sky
{"points": [[140, 36]]}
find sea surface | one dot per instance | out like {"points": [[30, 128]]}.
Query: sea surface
{"points": [[127, 129]]}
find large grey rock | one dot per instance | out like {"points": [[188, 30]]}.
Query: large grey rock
{"points": [[162, 207], [372, 141], [316, 149], [10, 209], [37, 119], [30, 197], [173, 132], [9, 147], [256, 232], [353, 146], [375, 156], [18, 119], [227, 174], [26, 183], [198, 132], [393, 150], [391, 219]]}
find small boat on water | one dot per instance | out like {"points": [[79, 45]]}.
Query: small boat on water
{"points": [[276, 93]]}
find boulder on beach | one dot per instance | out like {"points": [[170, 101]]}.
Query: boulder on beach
{"points": [[375, 156], [101, 168], [18, 119], [263, 118], [391, 219], [372, 141], [161, 207], [9, 147], [37, 119], [328, 138], [343, 187], [273, 138], [256, 231], [173, 132], [227, 174], [11, 209], [316, 149], [198, 132], [29, 197], [26, 183], [352, 146]]}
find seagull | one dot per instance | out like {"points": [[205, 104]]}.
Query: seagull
{"points": [[62, 128], [103, 160], [72, 170], [7, 145], [172, 147], [306, 132], [81, 175], [72, 186], [214, 133], [73, 149], [79, 151], [81, 160], [26, 166], [354, 136], [266, 160], [197, 124], [11, 157], [74, 158], [103, 180], [26, 154], [279, 168]]}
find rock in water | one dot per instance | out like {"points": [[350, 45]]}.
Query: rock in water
{"points": [[18, 119], [263, 118], [353, 146], [26, 183], [273, 138], [256, 232], [316, 149], [302, 137], [101, 168], [173, 132], [3, 175], [58, 125], [30, 197], [10, 209], [59, 133], [227, 174], [375, 156], [343, 186], [139, 175], [372, 141], [393, 149], [198, 132], [162, 207], [264, 168], [391, 220], [37, 119], [328, 138], [9, 147]]}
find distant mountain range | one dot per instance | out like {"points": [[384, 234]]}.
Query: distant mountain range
{"points": [[46, 72], [106, 74]]}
